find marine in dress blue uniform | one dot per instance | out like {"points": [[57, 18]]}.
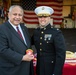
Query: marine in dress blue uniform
{"points": [[50, 45]]}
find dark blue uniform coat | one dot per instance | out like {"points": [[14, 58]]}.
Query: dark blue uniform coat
{"points": [[50, 45]]}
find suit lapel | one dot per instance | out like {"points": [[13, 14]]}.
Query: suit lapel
{"points": [[14, 32], [25, 35]]}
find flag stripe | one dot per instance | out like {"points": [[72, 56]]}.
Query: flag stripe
{"points": [[31, 18]]}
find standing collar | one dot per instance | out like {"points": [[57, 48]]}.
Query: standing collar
{"points": [[47, 27]]}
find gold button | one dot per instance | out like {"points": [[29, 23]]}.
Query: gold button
{"points": [[40, 37], [47, 41], [40, 43], [40, 49], [42, 32], [52, 61]]}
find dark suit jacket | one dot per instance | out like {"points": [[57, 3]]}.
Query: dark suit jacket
{"points": [[12, 49]]}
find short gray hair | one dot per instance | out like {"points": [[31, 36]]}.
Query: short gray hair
{"points": [[10, 9]]}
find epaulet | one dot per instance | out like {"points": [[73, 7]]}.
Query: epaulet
{"points": [[57, 29]]}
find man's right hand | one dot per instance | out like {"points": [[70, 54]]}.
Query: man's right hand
{"points": [[28, 57]]}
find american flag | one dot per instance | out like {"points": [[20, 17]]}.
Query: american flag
{"points": [[30, 17]]}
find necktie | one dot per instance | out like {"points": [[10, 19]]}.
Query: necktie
{"points": [[19, 33]]}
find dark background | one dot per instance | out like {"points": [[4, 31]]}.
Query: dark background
{"points": [[70, 38]]}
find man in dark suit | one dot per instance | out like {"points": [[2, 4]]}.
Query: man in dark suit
{"points": [[50, 44], [13, 45]]}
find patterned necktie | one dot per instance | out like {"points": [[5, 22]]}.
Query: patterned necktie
{"points": [[19, 33]]}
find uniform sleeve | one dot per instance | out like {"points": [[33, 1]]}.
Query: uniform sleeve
{"points": [[60, 48]]}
